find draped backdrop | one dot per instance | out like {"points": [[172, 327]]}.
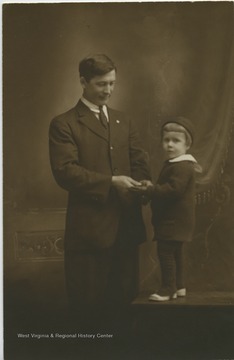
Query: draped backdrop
{"points": [[172, 59], [195, 78], [213, 107]]}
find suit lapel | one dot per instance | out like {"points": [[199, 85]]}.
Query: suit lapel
{"points": [[87, 118]]}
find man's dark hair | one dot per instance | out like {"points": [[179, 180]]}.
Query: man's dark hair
{"points": [[95, 65]]}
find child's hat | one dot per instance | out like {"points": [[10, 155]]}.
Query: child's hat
{"points": [[186, 123]]}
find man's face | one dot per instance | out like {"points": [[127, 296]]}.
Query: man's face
{"points": [[98, 90], [174, 144]]}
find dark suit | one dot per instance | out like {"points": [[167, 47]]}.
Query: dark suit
{"points": [[84, 157]]}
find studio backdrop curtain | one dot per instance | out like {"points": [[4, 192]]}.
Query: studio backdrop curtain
{"points": [[194, 77], [214, 104]]}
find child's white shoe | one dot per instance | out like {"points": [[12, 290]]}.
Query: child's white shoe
{"points": [[156, 297], [181, 292]]}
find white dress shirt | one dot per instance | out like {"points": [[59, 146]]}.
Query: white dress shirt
{"points": [[94, 108]]}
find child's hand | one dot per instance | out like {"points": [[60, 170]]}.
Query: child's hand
{"points": [[137, 189], [144, 191], [147, 186]]}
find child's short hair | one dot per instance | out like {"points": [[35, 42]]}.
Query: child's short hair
{"points": [[180, 124]]}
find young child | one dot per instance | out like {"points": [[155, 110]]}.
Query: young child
{"points": [[173, 206]]}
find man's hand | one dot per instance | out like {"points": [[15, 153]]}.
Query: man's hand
{"points": [[123, 182], [146, 187], [144, 191]]}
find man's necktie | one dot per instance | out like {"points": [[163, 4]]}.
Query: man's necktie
{"points": [[102, 117]]}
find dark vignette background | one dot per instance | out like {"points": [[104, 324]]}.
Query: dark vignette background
{"points": [[172, 58]]}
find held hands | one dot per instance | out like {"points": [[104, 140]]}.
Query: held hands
{"points": [[145, 191], [123, 184], [127, 186], [145, 188]]}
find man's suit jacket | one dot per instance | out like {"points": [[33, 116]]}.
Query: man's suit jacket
{"points": [[84, 156]]}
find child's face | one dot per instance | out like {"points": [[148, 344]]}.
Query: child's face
{"points": [[174, 144]]}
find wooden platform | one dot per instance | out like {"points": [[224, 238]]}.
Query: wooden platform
{"points": [[198, 327], [202, 299]]}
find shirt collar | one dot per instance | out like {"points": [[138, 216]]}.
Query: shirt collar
{"points": [[184, 157], [91, 106]]}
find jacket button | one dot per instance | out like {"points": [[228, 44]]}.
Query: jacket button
{"points": [[115, 171], [111, 147]]}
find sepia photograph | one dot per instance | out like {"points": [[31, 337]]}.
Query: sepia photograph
{"points": [[118, 180]]}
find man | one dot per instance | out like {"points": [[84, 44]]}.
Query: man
{"points": [[97, 157]]}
